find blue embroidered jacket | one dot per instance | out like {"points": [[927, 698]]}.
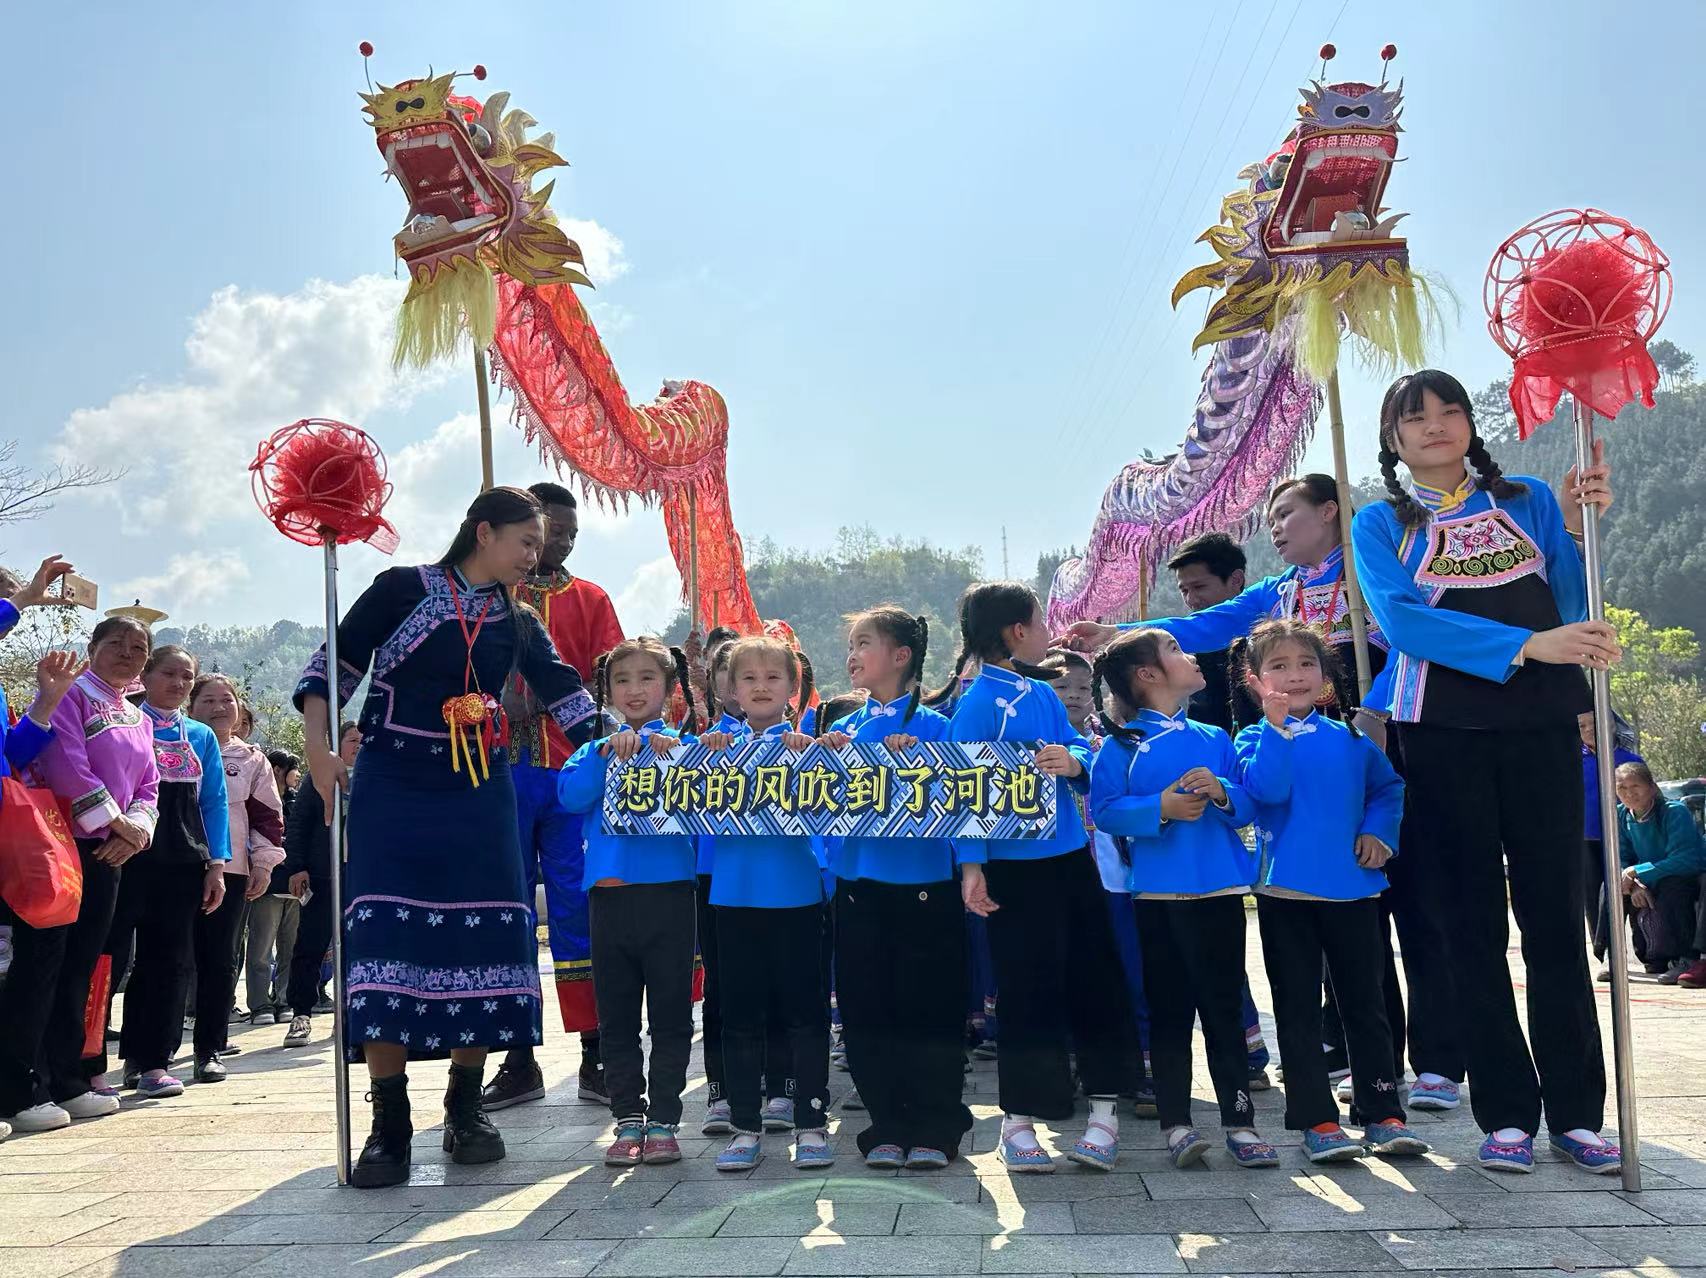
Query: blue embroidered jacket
{"points": [[667, 858], [1316, 790], [405, 626], [1002, 705], [1173, 858], [177, 731], [759, 870], [1420, 631], [893, 860]]}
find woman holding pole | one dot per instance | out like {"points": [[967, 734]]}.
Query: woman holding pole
{"points": [[1477, 581]]}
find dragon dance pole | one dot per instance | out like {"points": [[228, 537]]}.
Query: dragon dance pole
{"points": [[692, 559], [1622, 1040], [340, 1067], [482, 384], [1353, 588]]}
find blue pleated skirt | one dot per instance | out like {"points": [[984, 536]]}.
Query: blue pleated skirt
{"points": [[439, 941]]}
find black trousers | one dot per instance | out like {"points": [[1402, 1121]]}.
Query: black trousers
{"points": [[642, 950], [1348, 936], [776, 1049], [85, 941], [1392, 995], [1062, 986], [1593, 893], [215, 977], [1193, 965], [157, 906], [313, 938], [1667, 926], [1483, 800], [1432, 1018], [26, 1003], [900, 980], [771, 969]]}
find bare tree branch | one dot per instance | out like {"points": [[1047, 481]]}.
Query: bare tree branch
{"points": [[27, 493]]}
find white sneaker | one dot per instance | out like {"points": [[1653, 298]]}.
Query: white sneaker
{"points": [[40, 1118], [5, 1129], [90, 1105]]}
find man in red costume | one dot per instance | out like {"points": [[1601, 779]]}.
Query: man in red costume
{"points": [[582, 624]]}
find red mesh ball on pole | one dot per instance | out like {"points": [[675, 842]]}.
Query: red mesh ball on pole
{"points": [[322, 483], [1573, 298]]}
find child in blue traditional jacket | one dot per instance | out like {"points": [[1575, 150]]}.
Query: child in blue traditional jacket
{"points": [[1328, 804], [1053, 950], [900, 940], [1166, 784], [640, 906], [767, 892]]}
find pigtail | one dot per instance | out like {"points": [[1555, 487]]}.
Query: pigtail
{"points": [[1410, 512], [945, 693], [921, 644], [1099, 676], [1489, 476], [686, 685], [808, 684], [601, 693], [1047, 674]]}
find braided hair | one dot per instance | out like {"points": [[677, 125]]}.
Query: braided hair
{"points": [[690, 721], [903, 630], [1115, 667], [1404, 397], [1248, 654], [987, 609], [808, 685], [672, 663]]}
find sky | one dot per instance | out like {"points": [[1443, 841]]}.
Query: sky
{"points": [[923, 250]]}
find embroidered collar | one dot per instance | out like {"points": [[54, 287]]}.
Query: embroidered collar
{"points": [[100, 689], [1330, 567], [772, 732], [558, 578], [463, 584], [1299, 727], [164, 718], [1443, 501], [656, 725]]}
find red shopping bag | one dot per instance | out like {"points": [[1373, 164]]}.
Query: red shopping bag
{"points": [[40, 875]]}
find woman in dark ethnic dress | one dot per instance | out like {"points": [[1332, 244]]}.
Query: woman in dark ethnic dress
{"points": [[439, 943]]}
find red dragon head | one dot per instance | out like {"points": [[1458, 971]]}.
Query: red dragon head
{"points": [[467, 170]]}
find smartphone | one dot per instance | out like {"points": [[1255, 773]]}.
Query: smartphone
{"points": [[78, 590]]}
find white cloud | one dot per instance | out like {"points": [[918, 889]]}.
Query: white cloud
{"points": [[651, 598], [256, 361], [606, 259], [188, 580]]}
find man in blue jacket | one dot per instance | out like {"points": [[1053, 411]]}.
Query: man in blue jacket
{"points": [[1663, 858]]}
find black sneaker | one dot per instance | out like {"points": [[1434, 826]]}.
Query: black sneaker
{"points": [[513, 1084], [592, 1085]]}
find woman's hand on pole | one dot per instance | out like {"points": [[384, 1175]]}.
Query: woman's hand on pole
{"points": [[1581, 643], [1590, 488]]}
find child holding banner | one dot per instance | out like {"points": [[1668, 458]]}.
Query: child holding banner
{"points": [[901, 978], [1164, 784], [767, 892], [1055, 962], [640, 894]]}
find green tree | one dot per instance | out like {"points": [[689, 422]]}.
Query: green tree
{"points": [[1652, 688]]}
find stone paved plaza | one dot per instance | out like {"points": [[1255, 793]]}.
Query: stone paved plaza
{"points": [[238, 1179]]}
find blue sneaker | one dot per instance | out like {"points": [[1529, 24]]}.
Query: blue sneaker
{"points": [[159, 1087], [1508, 1156], [738, 1157], [1188, 1149], [779, 1115], [812, 1150], [1434, 1096], [1252, 1153], [1018, 1159], [1332, 1146], [1090, 1152], [1392, 1139], [924, 1158], [1602, 1160], [886, 1156]]}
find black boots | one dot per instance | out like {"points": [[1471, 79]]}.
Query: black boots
{"points": [[469, 1136], [385, 1158]]}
